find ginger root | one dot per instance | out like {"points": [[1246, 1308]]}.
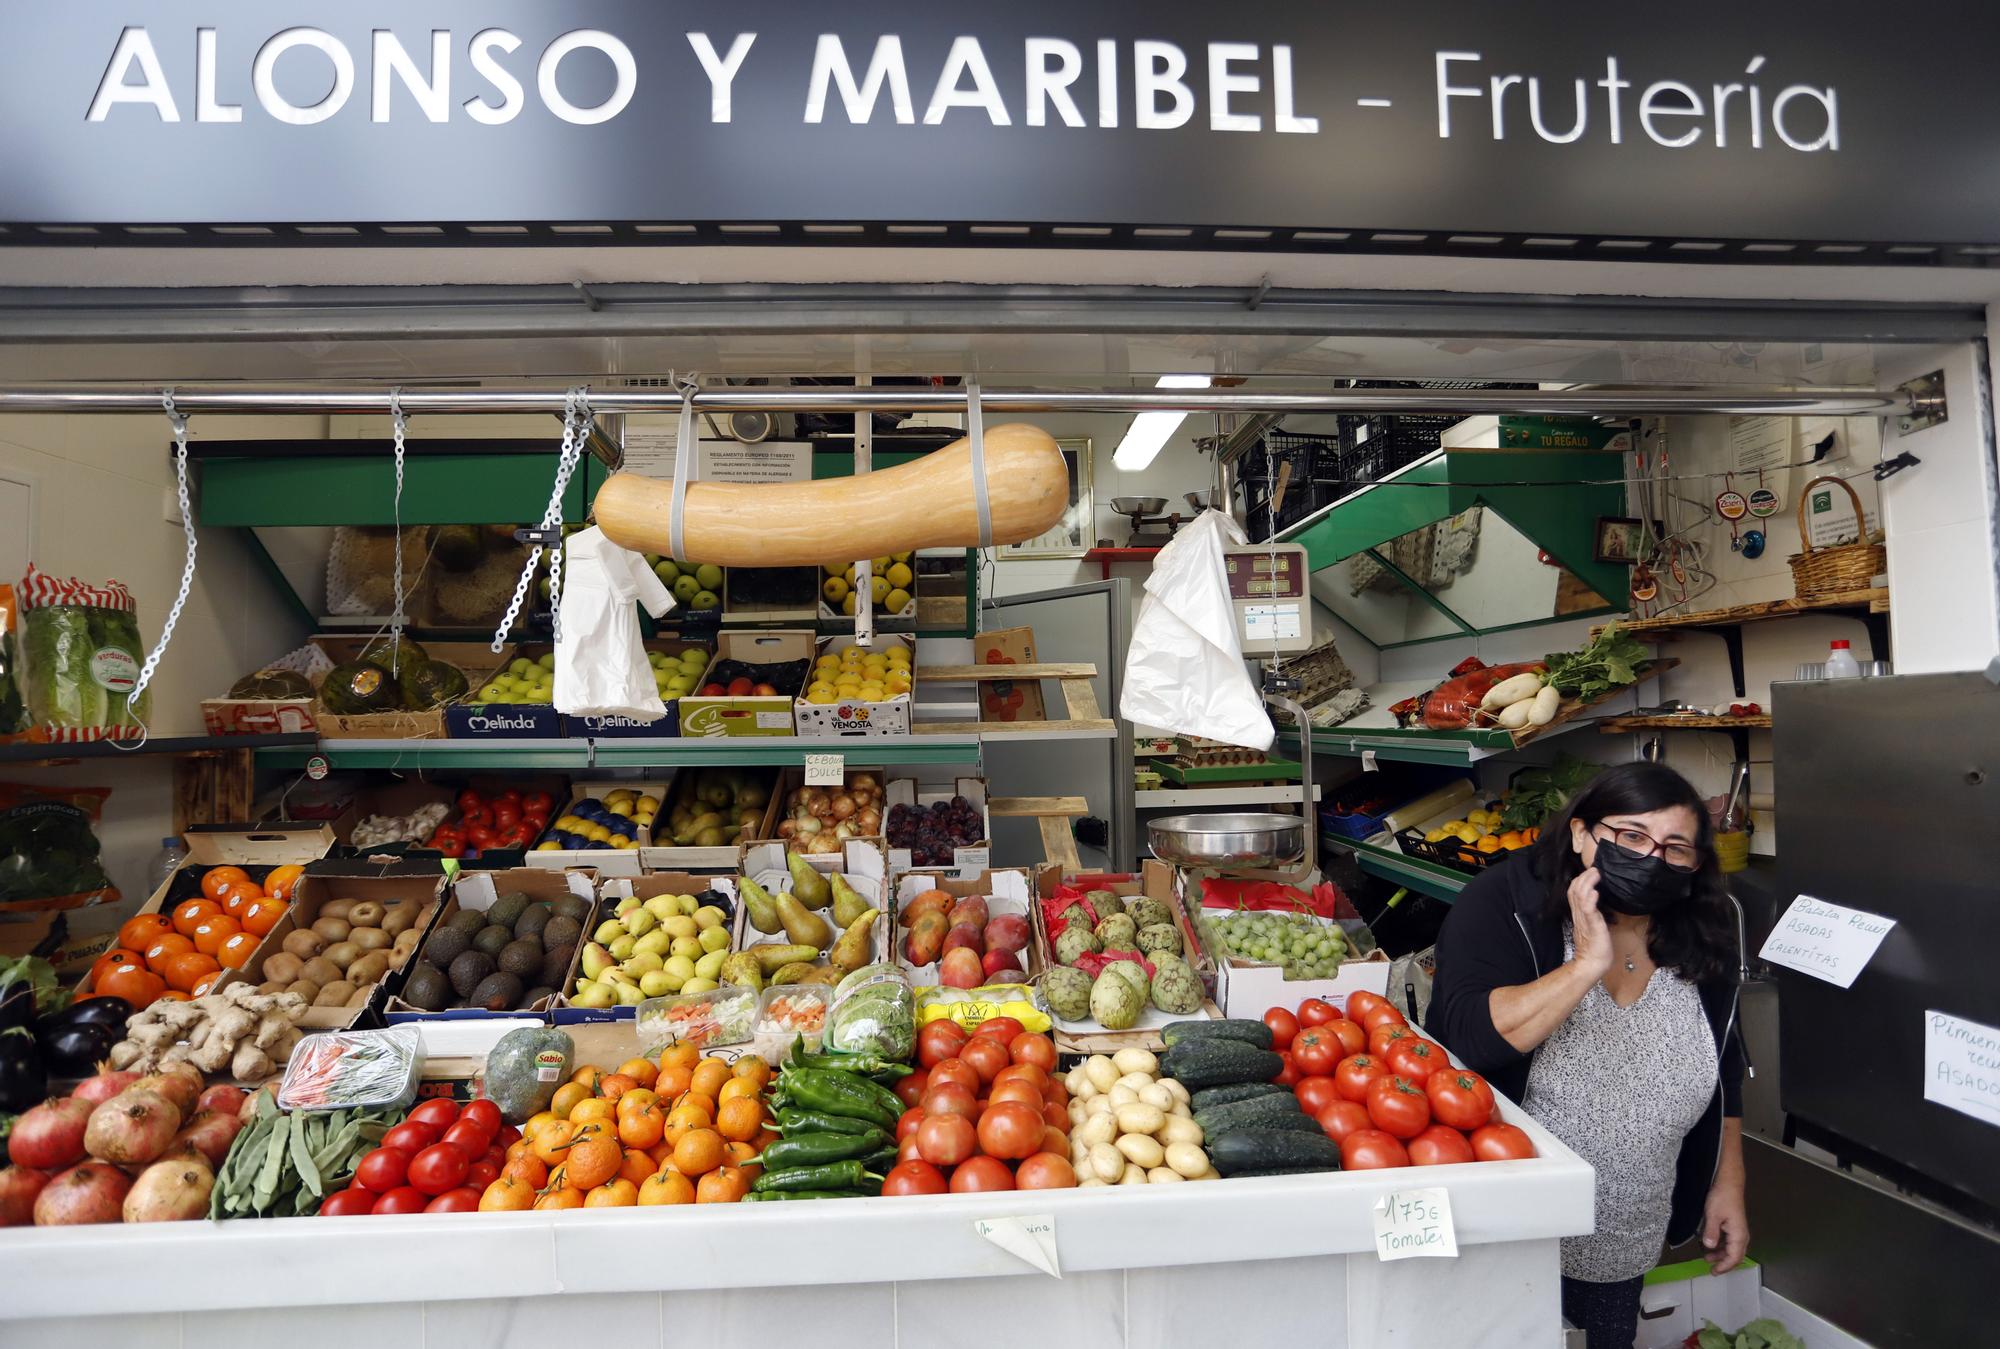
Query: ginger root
{"points": [[251, 1064]]}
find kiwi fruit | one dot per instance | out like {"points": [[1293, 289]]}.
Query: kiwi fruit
{"points": [[468, 921], [492, 939], [507, 909], [496, 992], [556, 964], [521, 958], [447, 944], [468, 970], [573, 907], [561, 931], [532, 920]]}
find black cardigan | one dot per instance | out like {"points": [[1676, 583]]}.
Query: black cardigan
{"points": [[1497, 936]]}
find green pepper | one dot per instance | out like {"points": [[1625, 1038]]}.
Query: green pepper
{"points": [[880, 1161], [865, 1086], [847, 1175], [867, 1065], [792, 1122], [813, 1149], [839, 1094], [755, 1197]]}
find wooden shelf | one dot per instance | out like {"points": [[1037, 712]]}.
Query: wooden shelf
{"points": [[1874, 600], [1684, 722]]}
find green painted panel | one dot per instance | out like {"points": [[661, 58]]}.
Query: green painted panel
{"points": [[466, 489], [1378, 514], [842, 465], [1561, 516]]}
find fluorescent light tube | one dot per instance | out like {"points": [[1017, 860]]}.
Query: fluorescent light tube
{"points": [[1150, 431]]}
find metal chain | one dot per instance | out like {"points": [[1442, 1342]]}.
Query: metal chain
{"points": [[178, 421], [576, 434], [400, 421], [1271, 551]]}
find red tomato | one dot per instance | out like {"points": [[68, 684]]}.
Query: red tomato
{"points": [[437, 1113], [1314, 1012], [938, 1041], [411, 1136], [1038, 1050], [1289, 1074], [950, 1099], [910, 1090], [1501, 1143], [957, 1073], [487, 1116], [442, 1166], [479, 815], [1024, 1092], [1045, 1171], [1354, 1073], [507, 1137], [1001, 1028], [1439, 1145], [494, 1154], [1055, 1140], [987, 1054], [907, 1125], [1460, 1098], [980, 1174], [1011, 1131], [470, 800], [512, 796], [1417, 1059], [1056, 1115], [537, 801], [917, 1177], [1398, 1106], [906, 1151], [1342, 1118], [480, 836], [506, 815], [348, 1203], [1371, 1149], [1315, 1053], [1384, 1036], [1375, 1016], [1353, 1039], [1033, 1074], [1358, 1004], [468, 1137], [402, 1200], [452, 847], [464, 1199], [1315, 1093], [482, 1173], [946, 1140], [1283, 1027], [382, 1170]]}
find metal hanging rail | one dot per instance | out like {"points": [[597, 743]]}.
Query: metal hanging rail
{"points": [[1591, 400]]}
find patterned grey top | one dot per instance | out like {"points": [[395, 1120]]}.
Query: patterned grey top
{"points": [[1621, 1086]]}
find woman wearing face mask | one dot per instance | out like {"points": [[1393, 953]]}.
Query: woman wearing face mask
{"points": [[1594, 981]]}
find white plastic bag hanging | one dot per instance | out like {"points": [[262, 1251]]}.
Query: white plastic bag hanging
{"points": [[1185, 670], [601, 668]]}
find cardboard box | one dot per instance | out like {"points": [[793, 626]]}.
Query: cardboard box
{"points": [[257, 716], [1250, 988], [614, 890], [1008, 890], [314, 890], [395, 798], [706, 718], [481, 890], [858, 716], [791, 780], [663, 854], [770, 594], [605, 861], [627, 728], [46, 934], [865, 865], [997, 701], [1156, 881], [476, 660], [966, 861]]}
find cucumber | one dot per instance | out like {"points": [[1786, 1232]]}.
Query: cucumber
{"points": [[1297, 1123], [1210, 1097], [1218, 1119], [1218, 1028], [1246, 1150], [1197, 1064], [1250, 1175]]}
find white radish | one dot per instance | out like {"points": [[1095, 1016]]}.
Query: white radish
{"points": [[1514, 716], [1546, 703], [1511, 690]]}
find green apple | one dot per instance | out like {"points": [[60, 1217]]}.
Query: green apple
{"points": [[593, 994], [657, 984], [608, 931], [656, 941], [623, 947], [520, 665], [709, 575], [641, 963], [714, 939], [680, 967], [710, 964], [704, 599], [685, 589], [667, 571], [547, 661], [641, 921]]}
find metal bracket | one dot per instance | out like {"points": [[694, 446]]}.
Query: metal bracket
{"points": [[1927, 403]]}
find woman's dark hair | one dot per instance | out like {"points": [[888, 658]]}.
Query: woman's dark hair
{"points": [[1695, 939]]}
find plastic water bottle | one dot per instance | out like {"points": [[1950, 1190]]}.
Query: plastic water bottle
{"points": [[165, 862], [1840, 662]]}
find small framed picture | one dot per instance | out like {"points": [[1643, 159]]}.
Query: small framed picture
{"points": [[1619, 538], [1072, 535]]}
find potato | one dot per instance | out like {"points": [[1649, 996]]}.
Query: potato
{"points": [[1134, 1174], [1135, 1082], [282, 967], [1156, 1094], [367, 913], [1186, 1159], [305, 988], [1136, 1061], [368, 968], [272, 986], [321, 971], [1097, 1129], [1179, 1092], [332, 929], [337, 908], [399, 917], [1161, 1175], [1140, 1118], [1180, 1130], [1075, 1113], [361, 996], [1181, 1109], [1082, 1181], [1078, 1082], [1141, 1149], [369, 938], [1097, 1105], [1102, 1073], [305, 943], [334, 994], [342, 953], [1106, 1161]]}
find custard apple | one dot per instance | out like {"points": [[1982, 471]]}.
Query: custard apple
{"points": [[1114, 1002], [1117, 933], [1176, 988], [1067, 991], [1106, 902], [1133, 972], [1076, 916], [1146, 912], [1072, 944], [1156, 939]]}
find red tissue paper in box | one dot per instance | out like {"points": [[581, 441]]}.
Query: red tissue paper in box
{"points": [[1326, 899]]}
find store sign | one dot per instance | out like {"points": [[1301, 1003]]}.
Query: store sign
{"points": [[1825, 940], [1412, 1223], [1962, 1065], [1708, 119]]}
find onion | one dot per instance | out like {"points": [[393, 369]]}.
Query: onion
{"points": [[863, 780], [786, 828], [843, 806], [808, 827], [869, 821], [863, 796]]}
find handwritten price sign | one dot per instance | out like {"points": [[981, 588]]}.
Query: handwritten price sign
{"points": [[1411, 1223]]}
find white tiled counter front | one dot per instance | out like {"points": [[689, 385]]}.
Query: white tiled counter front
{"points": [[1232, 1263]]}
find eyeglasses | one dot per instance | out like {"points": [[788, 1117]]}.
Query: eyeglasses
{"points": [[1679, 856]]}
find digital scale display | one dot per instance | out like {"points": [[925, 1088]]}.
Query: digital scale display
{"points": [[1268, 589]]}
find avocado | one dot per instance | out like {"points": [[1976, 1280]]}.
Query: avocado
{"points": [[521, 958], [427, 988], [561, 931], [468, 921], [534, 920], [556, 963], [492, 939], [535, 995], [356, 688], [507, 909], [573, 907], [496, 992], [468, 970], [446, 945]]}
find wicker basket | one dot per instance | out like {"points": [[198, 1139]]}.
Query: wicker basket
{"points": [[1820, 572]]}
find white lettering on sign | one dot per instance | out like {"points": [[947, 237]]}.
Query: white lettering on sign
{"points": [[1962, 1066], [825, 770], [1032, 1237], [1411, 1223], [1825, 940]]}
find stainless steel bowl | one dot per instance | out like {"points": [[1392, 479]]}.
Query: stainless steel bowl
{"points": [[1250, 840], [1138, 506], [1203, 501]]}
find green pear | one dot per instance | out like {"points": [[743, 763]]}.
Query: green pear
{"points": [[630, 995], [856, 944], [656, 941], [700, 986], [709, 965], [808, 885], [626, 905], [658, 983], [709, 916], [641, 963], [801, 924], [690, 947], [742, 970], [757, 903], [774, 956], [713, 939], [680, 925], [608, 931], [847, 905], [688, 904], [639, 922], [596, 960], [661, 907], [593, 994], [680, 967], [623, 947]]}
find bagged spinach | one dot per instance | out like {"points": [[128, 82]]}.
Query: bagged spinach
{"points": [[48, 849], [13, 708], [80, 652]]}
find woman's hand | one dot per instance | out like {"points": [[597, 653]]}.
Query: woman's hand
{"points": [[1588, 933], [1725, 1228]]}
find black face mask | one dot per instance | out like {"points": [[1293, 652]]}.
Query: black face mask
{"points": [[1636, 883]]}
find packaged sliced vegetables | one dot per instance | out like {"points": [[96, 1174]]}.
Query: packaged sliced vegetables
{"points": [[48, 848], [789, 1012], [721, 1016], [81, 652], [354, 1069], [874, 1011], [970, 1006]]}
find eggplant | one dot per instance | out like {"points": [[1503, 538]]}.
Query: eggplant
{"points": [[17, 1006], [24, 1079], [103, 1011], [75, 1049]]}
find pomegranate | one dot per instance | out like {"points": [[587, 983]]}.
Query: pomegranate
{"points": [[50, 1136], [180, 1084], [172, 1191], [89, 1192], [209, 1133], [108, 1083], [248, 1114], [131, 1128], [223, 1100], [18, 1187]]}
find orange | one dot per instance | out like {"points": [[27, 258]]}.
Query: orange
{"points": [[134, 983], [189, 913], [592, 1162], [168, 943], [698, 1152], [666, 1187], [679, 1054], [538, 1121], [175, 995], [235, 951], [613, 1085], [641, 1128], [673, 1080], [589, 1075], [238, 898], [187, 969], [725, 1185], [1488, 843], [641, 1071], [205, 984], [1512, 839], [560, 1199], [740, 1120], [558, 1178], [596, 1110], [662, 1152], [263, 914], [218, 879], [211, 932], [141, 930], [281, 880], [552, 1141], [752, 1068], [613, 1194], [636, 1166], [709, 1075], [509, 1194], [736, 1088], [528, 1169], [566, 1098], [743, 1157], [635, 1098]]}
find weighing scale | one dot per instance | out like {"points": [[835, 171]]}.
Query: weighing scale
{"points": [[1267, 584]]}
